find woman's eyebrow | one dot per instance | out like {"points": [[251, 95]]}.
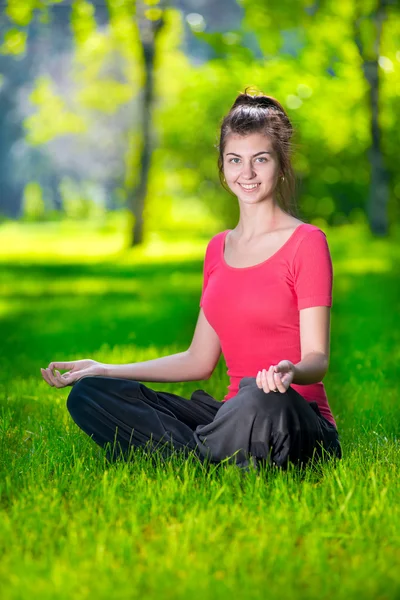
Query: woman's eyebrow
{"points": [[258, 153]]}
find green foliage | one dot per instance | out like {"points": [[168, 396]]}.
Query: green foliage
{"points": [[329, 109], [33, 205], [115, 50], [14, 42], [21, 12], [83, 22], [305, 54], [53, 118], [78, 200]]}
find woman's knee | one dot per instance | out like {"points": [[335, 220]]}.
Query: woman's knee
{"points": [[251, 394], [79, 393]]}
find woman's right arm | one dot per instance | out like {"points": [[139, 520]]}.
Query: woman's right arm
{"points": [[196, 363]]}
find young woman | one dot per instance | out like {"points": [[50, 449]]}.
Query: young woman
{"points": [[265, 304]]}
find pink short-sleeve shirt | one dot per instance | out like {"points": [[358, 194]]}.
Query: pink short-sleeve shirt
{"points": [[255, 310]]}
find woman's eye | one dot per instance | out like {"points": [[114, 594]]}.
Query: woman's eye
{"points": [[236, 160]]}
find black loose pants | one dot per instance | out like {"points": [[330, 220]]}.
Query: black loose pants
{"points": [[250, 427]]}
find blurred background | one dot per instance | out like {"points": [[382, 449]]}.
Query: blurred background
{"points": [[109, 110]]}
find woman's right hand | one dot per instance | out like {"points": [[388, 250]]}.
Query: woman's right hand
{"points": [[76, 370]]}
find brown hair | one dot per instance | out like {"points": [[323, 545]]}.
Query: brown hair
{"points": [[263, 114]]}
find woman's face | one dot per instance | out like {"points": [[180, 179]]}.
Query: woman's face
{"points": [[250, 167]]}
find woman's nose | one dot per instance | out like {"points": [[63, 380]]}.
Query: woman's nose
{"points": [[248, 170]]}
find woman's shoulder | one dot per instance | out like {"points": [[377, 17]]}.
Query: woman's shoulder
{"points": [[218, 236], [216, 240], [213, 247], [309, 243], [306, 228], [291, 224]]}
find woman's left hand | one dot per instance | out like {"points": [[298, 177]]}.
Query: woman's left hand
{"points": [[277, 378]]}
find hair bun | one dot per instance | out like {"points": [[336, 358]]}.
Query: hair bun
{"points": [[258, 99]]}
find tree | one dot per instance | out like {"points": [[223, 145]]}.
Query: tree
{"points": [[150, 22], [367, 36]]}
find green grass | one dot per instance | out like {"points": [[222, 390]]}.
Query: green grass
{"points": [[74, 526]]}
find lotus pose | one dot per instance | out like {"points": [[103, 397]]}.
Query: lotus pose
{"points": [[265, 304]]}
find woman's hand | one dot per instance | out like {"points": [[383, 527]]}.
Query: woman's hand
{"points": [[278, 377], [77, 370]]}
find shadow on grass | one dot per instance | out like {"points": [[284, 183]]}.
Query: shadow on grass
{"points": [[159, 309], [50, 315]]}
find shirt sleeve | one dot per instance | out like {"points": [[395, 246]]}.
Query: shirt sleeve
{"points": [[313, 271]]}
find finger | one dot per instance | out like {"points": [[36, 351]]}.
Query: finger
{"points": [[60, 365], [51, 377], [70, 378], [270, 378], [56, 378], [280, 378], [59, 379], [264, 381], [46, 377], [258, 380], [278, 382], [74, 377]]}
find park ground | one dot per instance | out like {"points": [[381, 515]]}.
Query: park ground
{"points": [[74, 526]]}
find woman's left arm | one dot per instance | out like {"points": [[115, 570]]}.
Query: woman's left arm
{"points": [[315, 342], [315, 345]]}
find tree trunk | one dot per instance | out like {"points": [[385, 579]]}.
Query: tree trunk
{"points": [[136, 202], [379, 187]]}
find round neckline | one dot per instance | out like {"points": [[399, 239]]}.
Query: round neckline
{"points": [[225, 233]]}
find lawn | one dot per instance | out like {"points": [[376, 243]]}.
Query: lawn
{"points": [[74, 526]]}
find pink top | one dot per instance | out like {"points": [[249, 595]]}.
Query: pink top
{"points": [[255, 310]]}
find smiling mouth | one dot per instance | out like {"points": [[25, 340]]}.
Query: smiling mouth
{"points": [[249, 186]]}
